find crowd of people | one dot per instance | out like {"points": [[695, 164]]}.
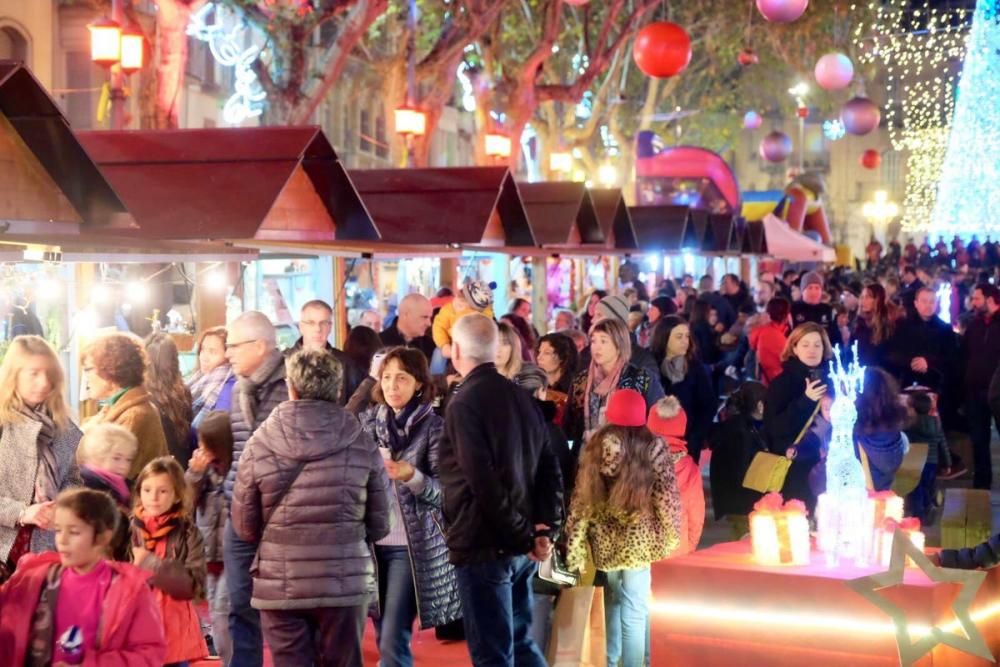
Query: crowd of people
{"points": [[421, 474]]}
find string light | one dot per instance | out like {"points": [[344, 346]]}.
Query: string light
{"points": [[968, 197], [920, 81]]}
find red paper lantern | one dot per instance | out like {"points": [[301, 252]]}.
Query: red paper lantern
{"points": [[871, 159], [662, 49]]}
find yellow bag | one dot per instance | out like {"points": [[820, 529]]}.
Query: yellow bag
{"points": [[767, 472], [578, 635]]}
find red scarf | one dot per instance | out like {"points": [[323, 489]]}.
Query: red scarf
{"points": [[153, 530]]}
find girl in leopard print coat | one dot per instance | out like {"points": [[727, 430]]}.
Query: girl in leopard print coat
{"points": [[626, 511]]}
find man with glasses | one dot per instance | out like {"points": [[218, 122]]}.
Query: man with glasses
{"points": [[251, 349], [315, 327]]}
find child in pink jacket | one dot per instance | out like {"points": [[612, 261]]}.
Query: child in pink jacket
{"points": [[76, 607], [668, 420]]}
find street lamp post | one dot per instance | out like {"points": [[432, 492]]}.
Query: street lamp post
{"points": [[121, 51], [498, 147], [410, 123], [880, 211], [799, 91]]}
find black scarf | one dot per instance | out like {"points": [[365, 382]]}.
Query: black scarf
{"points": [[393, 429]]}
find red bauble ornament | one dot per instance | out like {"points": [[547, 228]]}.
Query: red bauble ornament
{"points": [[748, 57], [871, 159], [662, 49], [776, 147], [802, 112]]}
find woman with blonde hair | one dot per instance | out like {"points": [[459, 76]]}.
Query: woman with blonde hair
{"points": [[509, 360], [794, 421], [38, 445], [115, 368], [170, 395]]}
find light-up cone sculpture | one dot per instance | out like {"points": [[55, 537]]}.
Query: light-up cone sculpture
{"points": [[841, 513]]}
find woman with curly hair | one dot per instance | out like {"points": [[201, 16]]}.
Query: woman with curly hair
{"points": [[626, 512], [879, 430], [170, 395], [115, 367]]}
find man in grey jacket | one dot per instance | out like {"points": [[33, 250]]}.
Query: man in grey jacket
{"points": [[251, 348]]}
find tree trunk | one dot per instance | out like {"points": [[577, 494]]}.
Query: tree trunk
{"points": [[172, 20]]}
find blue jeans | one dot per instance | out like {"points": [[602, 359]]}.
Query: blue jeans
{"points": [[496, 604], [244, 620], [398, 604], [626, 615]]}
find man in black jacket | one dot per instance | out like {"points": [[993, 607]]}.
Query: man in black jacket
{"points": [[812, 309], [981, 353], [924, 348], [411, 325], [315, 325], [502, 498]]}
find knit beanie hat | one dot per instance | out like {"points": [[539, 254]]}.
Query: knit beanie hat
{"points": [[613, 307], [667, 418], [626, 407], [811, 278], [478, 294]]}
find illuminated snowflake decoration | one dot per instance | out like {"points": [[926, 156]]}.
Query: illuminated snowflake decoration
{"points": [[834, 129], [229, 48]]}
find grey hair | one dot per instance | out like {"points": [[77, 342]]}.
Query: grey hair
{"points": [[315, 375], [99, 439], [255, 326], [411, 300], [477, 336]]}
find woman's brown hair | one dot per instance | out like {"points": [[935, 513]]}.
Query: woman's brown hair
{"points": [[216, 332], [661, 336], [630, 492], [215, 433], [884, 316], [619, 334], [800, 332], [119, 358], [166, 385], [94, 508], [166, 465], [21, 350], [412, 362], [880, 408]]}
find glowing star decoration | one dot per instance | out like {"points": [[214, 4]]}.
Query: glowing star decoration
{"points": [[229, 47], [968, 640], [834, 129], [841, 512], [968, 197]]}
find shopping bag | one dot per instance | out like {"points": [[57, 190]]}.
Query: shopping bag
{"points": [[767, 472], [578, 636]]}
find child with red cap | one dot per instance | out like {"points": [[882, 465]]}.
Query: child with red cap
{"points": [[668, 420], [627, 510]]}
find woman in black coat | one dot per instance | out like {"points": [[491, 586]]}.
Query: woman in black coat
{"points": [[415, 578], [793, 419], [734, 442], [684, 375]]}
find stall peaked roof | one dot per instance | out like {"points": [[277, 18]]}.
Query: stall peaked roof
{"points": [[49, 184], [665, 228], [261, 183], [479, 206], [616, 222], [562, 214]]}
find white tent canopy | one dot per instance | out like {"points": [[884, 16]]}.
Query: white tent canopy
{"points": [[783, 242]]}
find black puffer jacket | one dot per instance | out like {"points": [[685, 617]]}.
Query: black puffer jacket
{"points": [[267, 396], [981, 556], [499, 474], [314, 551], [434, 577]]}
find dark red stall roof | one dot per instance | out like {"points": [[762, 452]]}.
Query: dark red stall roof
{"points": [[720, 234], [561, 214], [49, 184], [478, 206], [262, 183], [616, 222], [665, 228]]}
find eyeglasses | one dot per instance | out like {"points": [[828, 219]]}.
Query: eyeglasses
{"points": [[233, 346], [88, 369], [320, 323]]}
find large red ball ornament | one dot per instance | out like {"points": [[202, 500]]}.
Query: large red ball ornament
{"points": [[871, 159], [860, 116], [662, 49], [782, 11], [776, 147]]}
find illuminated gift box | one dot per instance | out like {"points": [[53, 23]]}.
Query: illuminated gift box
{"points": [[910, 527], [779, 532], [886, 507]]}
